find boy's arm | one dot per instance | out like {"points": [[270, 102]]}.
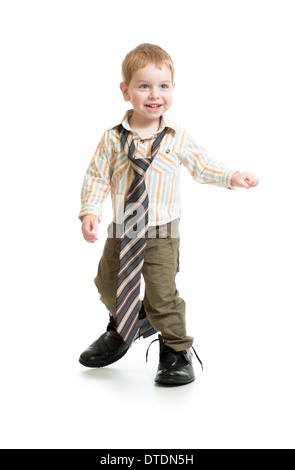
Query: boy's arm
{"points": [[96, 186], [205, 169]]}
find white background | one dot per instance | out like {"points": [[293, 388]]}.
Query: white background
{"points": [[60, 75]]}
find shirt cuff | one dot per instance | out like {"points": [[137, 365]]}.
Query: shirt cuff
{"points": [[89, 211], [226, 178]]}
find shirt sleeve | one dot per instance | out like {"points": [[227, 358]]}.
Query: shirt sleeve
{"points": [[96, 184], [205, 169]]}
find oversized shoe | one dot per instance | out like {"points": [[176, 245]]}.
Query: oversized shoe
{"points": [[175, 368], [110, 347]]}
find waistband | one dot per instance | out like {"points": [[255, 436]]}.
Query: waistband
{"points": [[169, 230]]}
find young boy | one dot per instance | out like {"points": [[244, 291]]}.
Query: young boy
{"points": [[139, 161]]}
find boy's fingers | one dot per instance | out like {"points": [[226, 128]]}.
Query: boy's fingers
{"points": [[251, 179], [90, 238], [243, 183], [88, 234], [254, 182]]}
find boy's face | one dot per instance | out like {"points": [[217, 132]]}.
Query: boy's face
{"points": [[149, 91]]}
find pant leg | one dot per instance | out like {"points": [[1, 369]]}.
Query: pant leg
{"points": [[164, 308]]}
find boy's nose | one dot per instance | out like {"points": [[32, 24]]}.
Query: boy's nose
{"points": [[154, 93]]}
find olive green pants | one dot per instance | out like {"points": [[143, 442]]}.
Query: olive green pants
{"points": [[164, 308]]}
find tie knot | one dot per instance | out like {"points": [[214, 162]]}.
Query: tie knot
{"points": [[140, 165]]}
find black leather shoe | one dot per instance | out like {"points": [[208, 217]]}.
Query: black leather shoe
{"points": [[175, 368], [110, 347]]}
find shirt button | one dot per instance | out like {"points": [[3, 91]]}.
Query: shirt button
{"points": [[168, 151], [142, 141]]}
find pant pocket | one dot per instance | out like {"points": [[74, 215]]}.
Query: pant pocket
{"points": [[162, 259]]}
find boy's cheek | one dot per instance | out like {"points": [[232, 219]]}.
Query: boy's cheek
{"points": [[137, 100]]}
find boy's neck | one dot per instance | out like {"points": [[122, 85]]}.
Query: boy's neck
{"points": [[142, 126]]}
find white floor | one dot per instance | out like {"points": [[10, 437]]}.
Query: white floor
{"points": [[52, 402]]}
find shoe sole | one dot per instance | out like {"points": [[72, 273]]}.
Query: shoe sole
{"points": [[173, 381], [104, 364], [146, 334]]}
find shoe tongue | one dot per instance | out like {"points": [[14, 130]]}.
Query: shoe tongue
{"points": [[170, 356], [112, 324], [169, 353]]}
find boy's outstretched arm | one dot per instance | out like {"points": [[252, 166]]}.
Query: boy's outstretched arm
{"points": [[244, 180], [89, 228]]}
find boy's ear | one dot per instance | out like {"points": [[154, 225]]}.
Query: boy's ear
{"points": [[124, 91]]}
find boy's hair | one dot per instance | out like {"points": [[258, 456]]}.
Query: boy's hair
{"points": [[141, 56]]}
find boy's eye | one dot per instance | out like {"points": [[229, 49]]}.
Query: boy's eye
{"points": [[144, 86]]}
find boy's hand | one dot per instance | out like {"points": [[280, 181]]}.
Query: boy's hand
{"points": [[244, 180], [89, 228]]}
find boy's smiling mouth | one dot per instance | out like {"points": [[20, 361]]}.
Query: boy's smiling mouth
{"points": [[153, 106]]}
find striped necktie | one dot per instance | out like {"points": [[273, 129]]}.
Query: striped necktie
{"points": [[133, 241]]}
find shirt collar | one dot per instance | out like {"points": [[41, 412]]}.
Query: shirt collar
{"points": [[165, 122]]}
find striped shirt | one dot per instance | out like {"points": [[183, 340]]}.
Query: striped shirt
{"points": [[110, 171]]}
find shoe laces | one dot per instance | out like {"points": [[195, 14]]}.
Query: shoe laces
{"points": [[158, 339]]}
